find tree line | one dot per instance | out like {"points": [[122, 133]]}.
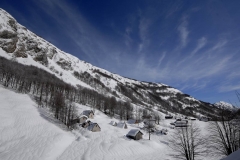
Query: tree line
{"points": [[52, 92]]}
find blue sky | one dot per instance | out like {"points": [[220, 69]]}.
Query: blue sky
{"points": [[193, 46]]}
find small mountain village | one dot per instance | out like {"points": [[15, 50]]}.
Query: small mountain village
{"points": [[148, 124]]}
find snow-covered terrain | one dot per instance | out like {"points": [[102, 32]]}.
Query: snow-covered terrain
{"points": [[28, 132], [224, 105]]}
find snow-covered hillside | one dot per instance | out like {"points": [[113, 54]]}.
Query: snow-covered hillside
{"points": [[224, 105], [20, 44], [28, 48], [28, 132]]}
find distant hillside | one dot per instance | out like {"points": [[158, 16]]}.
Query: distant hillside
{"points": [[224, 105]]}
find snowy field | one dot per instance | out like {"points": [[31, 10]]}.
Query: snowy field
{"points": [[27, 133], [24, 133]]}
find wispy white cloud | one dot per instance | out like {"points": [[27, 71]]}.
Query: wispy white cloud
{"points": [[196, 73], [227, 88], [197, 85], [128, 39], [183, 31], [219, 45], [161, 59], [143, 32], [233, 75], [92, 43], [174, 8], [201, 43]]}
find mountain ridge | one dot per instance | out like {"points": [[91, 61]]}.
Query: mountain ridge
{"points": [[224, 105], [22, 45]]}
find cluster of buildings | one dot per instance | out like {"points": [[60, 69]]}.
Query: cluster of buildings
{"points": [[85, 123], [136, 134]]}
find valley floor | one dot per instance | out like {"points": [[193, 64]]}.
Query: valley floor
{"points": [[28, 132]]}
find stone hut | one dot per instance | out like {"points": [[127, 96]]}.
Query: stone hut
{"points": [[122, 125], [135, 134], [94, 127], [86, 124], [113, 123], [88, 113], [83, 119]]}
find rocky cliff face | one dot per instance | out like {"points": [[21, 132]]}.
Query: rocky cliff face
{"points": [[26, 47]]}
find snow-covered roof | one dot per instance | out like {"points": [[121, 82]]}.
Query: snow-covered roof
{"points": [[234, 156], [113, 123], [121, 124], [180, 122], [84, 116], [91, 126], [131, 121], [133, 132], [87, 112]]}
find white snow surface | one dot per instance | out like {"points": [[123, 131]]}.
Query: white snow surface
{"points": [[24, 133], [28, 132]]}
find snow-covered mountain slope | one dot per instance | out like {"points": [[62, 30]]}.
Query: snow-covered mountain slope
{"points": [[20, 44], [224, 105], [28, 132]]}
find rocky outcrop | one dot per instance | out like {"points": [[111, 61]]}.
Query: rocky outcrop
{"points": [[51, 53], [20, 51], [9, 45], [42, 58], [64, 64], [7, 35], [8, 41], [12, 22]]}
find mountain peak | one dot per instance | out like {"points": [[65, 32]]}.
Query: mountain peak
{"points": [[224, 105]]}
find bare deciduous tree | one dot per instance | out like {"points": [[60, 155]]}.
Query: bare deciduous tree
{"points": [[158, 118], [225, 135], [187, 143], [149, 124]]}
